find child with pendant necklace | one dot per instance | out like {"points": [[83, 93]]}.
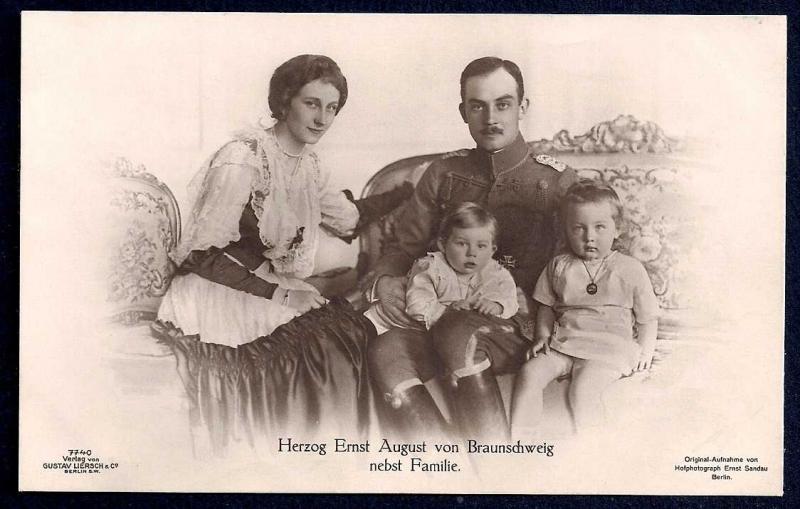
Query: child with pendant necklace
{"points": [[592, 298]]}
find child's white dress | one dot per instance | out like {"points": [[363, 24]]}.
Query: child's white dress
{"points": [[598, 326], [433, 285]]}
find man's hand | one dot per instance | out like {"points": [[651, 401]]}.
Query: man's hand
{"points": [[391, 292], [304, 300]]}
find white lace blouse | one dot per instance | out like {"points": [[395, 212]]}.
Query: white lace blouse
{"points": [[290, 195]]}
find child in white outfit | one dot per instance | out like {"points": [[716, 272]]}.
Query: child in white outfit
{"points": [[591, 298], [461, 275]]}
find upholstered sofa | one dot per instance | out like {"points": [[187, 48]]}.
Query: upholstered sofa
{"points": [[647, 168]]}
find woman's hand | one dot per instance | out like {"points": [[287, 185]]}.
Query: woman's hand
{"points": [[645, 359], [304, 300], [538, 346], [391, 292], [488, 307]]}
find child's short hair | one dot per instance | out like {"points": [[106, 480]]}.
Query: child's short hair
{"points": [[592, 191], [467, 215]]}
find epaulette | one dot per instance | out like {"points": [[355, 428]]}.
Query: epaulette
{"points": [[551, 162], [456, 153]]}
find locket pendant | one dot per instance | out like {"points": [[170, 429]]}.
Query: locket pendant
{"points": [[591, 288]]}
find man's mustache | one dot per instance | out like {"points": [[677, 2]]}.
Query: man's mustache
{"points": [[492, 130]]}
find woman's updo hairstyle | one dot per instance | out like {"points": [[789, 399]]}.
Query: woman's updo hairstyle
{"points": [[292, 75]]}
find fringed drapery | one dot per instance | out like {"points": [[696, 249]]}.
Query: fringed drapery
{"points": [[307, 379]]}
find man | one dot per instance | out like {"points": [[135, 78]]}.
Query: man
{"points": [[522, 191]]}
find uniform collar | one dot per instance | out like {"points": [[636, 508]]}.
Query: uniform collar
{"points": [[503, 159]]}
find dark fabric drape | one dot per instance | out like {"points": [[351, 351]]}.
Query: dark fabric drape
{"points": [[307, 379]]}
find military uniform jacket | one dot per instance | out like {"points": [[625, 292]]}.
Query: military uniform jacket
{"points": [[520, 188]]}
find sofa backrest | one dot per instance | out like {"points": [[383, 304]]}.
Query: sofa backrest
{"points": [[146, 226], [373, 238], [650, 186]]}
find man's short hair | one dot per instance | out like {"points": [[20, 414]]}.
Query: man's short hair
{"points": [[487, 65], [295, 73]]}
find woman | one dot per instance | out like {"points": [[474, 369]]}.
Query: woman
{"points": [[259, 350]]}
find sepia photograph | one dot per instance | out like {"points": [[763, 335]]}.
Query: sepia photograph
{"points": [[363, 253]]}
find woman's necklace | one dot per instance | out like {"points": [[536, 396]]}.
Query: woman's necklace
{"points": [[289, 154], [591, 288], [292, 157], [285, 152]]}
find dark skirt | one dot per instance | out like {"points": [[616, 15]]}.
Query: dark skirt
{"points": [[306, 380]]}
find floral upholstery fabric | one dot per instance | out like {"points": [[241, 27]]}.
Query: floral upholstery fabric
{"points": [[145, 226], [652, 225]]}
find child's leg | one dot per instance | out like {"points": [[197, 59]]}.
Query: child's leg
{"points": [[590, 379], [527, 400]]}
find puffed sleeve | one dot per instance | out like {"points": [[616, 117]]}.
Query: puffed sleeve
{"points": [[219, 194], [422, 302], [501, 288], [544, 292], [220, 241], [339, 214], [645, 303]]}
